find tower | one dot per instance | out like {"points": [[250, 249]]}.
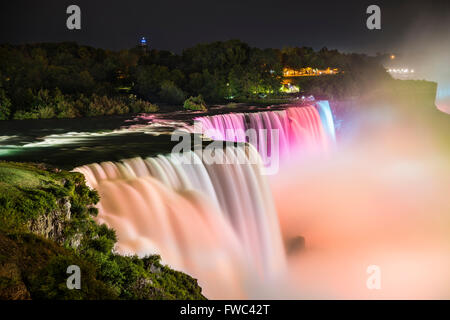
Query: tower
{"points": [[143, 44]]}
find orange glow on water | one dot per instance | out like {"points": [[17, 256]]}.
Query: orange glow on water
{"points": [[380, 198], [381, 201]]}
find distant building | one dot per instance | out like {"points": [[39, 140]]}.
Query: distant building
{"points": [[307, 72], [288, 87], [143, 44], [402, 73]]}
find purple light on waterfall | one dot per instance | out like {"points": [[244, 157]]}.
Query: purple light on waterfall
{"points": [[299, 130]]}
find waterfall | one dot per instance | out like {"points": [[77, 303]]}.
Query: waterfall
{"points": [[284, 133], [326, 116], [216, 222]]}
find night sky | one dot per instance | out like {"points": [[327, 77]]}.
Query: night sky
{"points": [[175, 25]]}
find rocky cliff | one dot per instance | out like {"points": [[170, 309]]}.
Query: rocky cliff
{"points": [[46, 225]]}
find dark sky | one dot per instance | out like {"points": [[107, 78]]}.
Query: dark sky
{"points": [[174, 24]]}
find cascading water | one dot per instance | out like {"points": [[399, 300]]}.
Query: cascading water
{"points": [[295, 130], [215, 221], [326, 116]]}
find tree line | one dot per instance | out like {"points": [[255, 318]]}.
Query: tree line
{"points": [[68, 80]]}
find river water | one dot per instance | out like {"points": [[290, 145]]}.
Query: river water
{"points": [[379, 200], [68, 143]]}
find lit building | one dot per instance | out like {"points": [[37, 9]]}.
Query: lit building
{"points": [[308, 71], [288, 87], [402, 73]]}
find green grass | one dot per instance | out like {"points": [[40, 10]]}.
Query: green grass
{"points": [[27, 191], [34, 267], [17, 177]]}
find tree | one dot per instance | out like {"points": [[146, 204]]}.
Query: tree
{"points": [[149, 80], [171, 93], [5, 105]]}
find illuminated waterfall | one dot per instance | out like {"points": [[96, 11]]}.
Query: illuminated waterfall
{"points": [[326, 116], [216, 222], [303, 130]]}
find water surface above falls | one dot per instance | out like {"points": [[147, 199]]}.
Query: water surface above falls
{"points": [[228, 236], [68, 143], [72, 142]]}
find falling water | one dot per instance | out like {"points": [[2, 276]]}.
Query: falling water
{"points": [[295, 130], [326, 117], [216, 222]]}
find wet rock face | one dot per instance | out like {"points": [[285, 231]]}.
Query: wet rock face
{"points": [[52, 225], [154, 269], [295, 245]]}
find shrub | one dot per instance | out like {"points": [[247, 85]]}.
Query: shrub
{"points": [[171, 93], [195, 103], [55, 104], [45, 112], [138, 105], [70, 112], [66, 108], [22, 115], [50, 282]]}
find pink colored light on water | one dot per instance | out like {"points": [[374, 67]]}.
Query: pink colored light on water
{"points": [[381, 199], [298, 130], [216, 222]]}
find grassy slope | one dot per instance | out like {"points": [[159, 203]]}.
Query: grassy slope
{"points": [[34, 267]]}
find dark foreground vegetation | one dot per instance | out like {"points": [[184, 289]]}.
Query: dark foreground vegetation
{"points": [[67, 80], [46, 225]]}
